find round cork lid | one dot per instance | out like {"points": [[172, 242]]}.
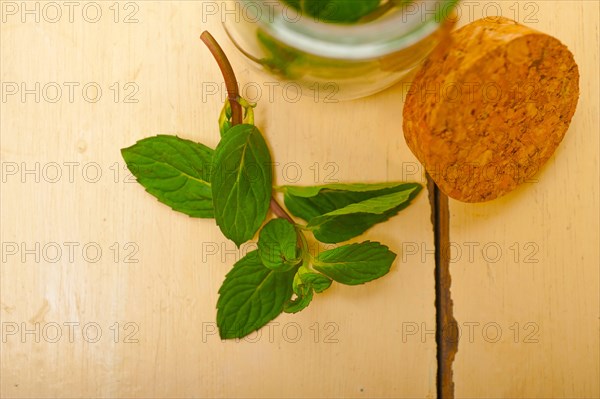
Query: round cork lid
{"points": [[489, 107]]}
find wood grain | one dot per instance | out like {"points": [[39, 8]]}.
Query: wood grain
{"points": [[525, 267], [373, 341], [351, 342]]}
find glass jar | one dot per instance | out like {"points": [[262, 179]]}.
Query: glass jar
{"points": [[339, 60]]}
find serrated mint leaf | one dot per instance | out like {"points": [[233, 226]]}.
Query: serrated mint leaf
{"points": [[355, 263], [176, 171], [241, 182], [278, 245], [251, 296], [339, 212]]}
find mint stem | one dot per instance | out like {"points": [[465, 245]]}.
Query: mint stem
{"points": [[280, 212], [228, 74], [233, 95]]}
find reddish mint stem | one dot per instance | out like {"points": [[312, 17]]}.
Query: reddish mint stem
{"points": [[228, 74], [279, 211]]}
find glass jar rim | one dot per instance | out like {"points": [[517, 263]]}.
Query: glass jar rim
{"points": [[366, 40]]}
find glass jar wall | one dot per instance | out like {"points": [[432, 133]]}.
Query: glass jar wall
{"points": [[345, 49]]}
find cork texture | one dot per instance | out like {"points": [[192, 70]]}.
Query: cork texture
{"points": [[489, 107]]}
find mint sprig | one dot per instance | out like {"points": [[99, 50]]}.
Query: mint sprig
{"points": [[234, 184]]}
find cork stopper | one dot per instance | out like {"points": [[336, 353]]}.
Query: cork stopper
{"points": [[489, 107]]}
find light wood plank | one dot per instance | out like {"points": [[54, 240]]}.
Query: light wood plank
{"points": [[170, 294], [540, 294]]}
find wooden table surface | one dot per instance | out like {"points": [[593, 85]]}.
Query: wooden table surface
{"points": [[107, 293]]}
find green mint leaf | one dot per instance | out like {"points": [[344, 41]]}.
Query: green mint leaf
{"points": [[376, 205], [297, 285], [355, 263], [304, 293], [372, 189], [251, 296], [340, 11], [310, 202], [241, 182], [304, 285], [176, 171], [277, 245], [339, 212], [306, 278], [315, 280], [293, 3], [300, 302]]}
